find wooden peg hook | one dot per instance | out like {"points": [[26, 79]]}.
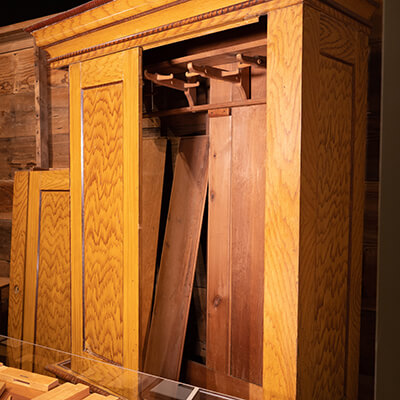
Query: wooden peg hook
{"points": [[169, 81]]}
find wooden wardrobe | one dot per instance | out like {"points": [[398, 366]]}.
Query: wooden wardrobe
{"points": [[263, 104]]}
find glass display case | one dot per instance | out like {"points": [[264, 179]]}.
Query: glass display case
{"points": [[30, 371]]}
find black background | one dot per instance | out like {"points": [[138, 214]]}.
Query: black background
{"points": [[14, 11]]}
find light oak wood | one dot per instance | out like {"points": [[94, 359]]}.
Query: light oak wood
{"points": [[18, 254], [45, 278], [311, 267], [178, 260], [103, 236], [27, 379], [66, 391], [53, 298], [109, 232], [282, 202], [104, 23]]}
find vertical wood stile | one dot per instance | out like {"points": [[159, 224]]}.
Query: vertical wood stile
{"points": [[282, 204], [76, 207], [41, 109], [356, 214], [132, 219], [32, 245], [308, 201], [18, 254]]}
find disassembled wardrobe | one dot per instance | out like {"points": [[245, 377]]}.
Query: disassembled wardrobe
{"points": [[216, 191]]}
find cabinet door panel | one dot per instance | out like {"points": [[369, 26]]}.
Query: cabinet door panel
{"points": [[105, 95], [47, 291]]}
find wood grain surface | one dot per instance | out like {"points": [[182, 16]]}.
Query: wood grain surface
{"points": [[332, 240], [53, 304], [218, 339], [356, 212], [66, 391], [6, 198], [151, 196], [178, 260], [17, 71], [46, 270], [308, 201], [32, 243], [247, 285], [18, 243], [103, 221], [105, 244], [282, 202]]}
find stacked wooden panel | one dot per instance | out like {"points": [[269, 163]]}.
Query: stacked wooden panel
{"points": [[40, 299]]}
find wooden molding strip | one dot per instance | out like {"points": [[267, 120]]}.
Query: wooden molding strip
{"points": [[163, 28], [67, 14]]}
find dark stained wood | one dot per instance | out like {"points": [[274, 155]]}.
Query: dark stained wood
{"points": [[153, 151], [59, 150], [5, 239], [16, 153], [206, 107], [178, 260], [247, 275], [369, 284], [4, 268], [17, 72], [41, 109], [218, 345], [214, 56], [356, 211], [219, 246], [370, 234], [6, 194], [17, 114]]}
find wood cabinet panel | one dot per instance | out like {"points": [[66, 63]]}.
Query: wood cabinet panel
{"points": [[105, 177], [53, 298], [103, 223], [333, 226]]}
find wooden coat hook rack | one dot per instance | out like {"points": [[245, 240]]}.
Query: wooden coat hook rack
{"points": [[239, 77], [188, 88]]}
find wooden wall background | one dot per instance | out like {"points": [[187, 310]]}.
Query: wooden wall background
{"points": [[20, 106], [19, 118]]}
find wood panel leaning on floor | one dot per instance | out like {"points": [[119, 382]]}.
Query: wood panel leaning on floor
{"points": [[315, 113]]}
